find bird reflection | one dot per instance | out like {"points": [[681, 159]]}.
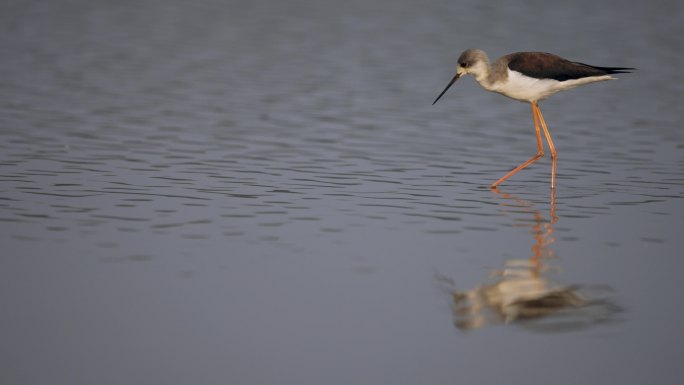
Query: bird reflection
{"points": [[523, 292]]}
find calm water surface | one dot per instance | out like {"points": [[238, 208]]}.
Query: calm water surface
{"points": [[259, 192]]}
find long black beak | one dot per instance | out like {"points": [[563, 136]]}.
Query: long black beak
{"points": [[447, 87]]}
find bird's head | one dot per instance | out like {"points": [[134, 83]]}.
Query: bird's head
{"points": [[471, 61]]}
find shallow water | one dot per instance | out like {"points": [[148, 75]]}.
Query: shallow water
{"points": [[260, 192]]}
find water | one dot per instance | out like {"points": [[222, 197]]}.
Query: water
{"points": [[260, 192]]}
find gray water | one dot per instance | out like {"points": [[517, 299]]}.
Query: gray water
{"points": [[259, 192]]}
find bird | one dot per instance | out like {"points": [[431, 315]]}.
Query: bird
{"points": [[530, 77]]}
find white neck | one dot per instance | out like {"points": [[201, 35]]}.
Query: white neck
{"points": [[483, 79], [481, 73]]}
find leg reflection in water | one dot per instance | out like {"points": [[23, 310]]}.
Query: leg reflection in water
{"points": [[522, 291]]}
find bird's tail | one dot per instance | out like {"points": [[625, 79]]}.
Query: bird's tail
{"points": [[615, 70]]}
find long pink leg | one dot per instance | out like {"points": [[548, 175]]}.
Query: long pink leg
{"points": [[552, 148], [536, 115]]}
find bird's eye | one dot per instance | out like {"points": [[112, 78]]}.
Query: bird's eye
{"points": [[463, 64]]}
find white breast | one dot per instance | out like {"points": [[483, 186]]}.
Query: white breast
{"points": [[524, 88]]}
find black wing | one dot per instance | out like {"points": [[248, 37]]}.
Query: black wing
{"points": [[541, 65]]}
